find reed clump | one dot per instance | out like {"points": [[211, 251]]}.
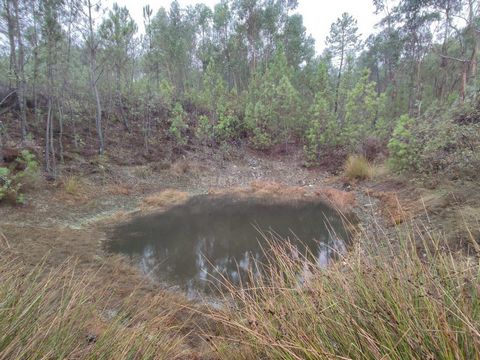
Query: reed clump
{"points": [[379, 302], [56, 315]]}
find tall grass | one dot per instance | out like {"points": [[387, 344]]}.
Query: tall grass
{"points": [[358, 167], [380, 302], [57, 315]]}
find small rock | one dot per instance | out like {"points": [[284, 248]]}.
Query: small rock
{"points": [[91, 338]]}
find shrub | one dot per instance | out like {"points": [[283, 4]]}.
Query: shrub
{"points": [[454, 150], [226, 127], [30, 174], [357, 167], [402, 146], [261, 140], [13, 181], [178, 124], [204, 130]]}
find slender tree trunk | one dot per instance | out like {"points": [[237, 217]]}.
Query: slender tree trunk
{"points": [[35, 63], [443, 76], [48, 165], [21, 82], [60, 135], [463, 83], [474, 35], [339, 78], [119, 100], [11, 40], [93, 80], [49, 153]]}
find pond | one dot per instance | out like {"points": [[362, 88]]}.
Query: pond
{"points": [[193, 244]]}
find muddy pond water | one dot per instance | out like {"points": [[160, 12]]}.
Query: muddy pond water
{"points": [[192, 245]]}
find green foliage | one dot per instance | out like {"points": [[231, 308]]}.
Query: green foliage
{"points": [[204, 130], [166, 93], [179, 124], [322, 128], [226, 126], [13, 182], [310, 148], [272, 111], [454, 150], [363, 108], [402, 146]]}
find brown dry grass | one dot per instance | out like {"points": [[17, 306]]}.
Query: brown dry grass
{"points": [[119, 189], [341, 200], [164, 199], [358, 168], [391, 208], [263, 189]]}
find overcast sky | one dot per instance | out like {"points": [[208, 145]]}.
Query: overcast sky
{"points": [[317, 14]]}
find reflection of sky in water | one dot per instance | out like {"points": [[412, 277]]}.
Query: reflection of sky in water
{"points": [[206, 239]]}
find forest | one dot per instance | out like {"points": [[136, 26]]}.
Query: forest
{"points": [[103, 118], [244, 71]]}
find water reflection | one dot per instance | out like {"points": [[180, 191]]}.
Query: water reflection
{"points": [[194, 244]]}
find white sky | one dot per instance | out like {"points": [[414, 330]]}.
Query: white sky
{"points": [[317, 14]]}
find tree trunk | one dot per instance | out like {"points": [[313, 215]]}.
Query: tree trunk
{"points": [[119, 100], [11, 40], [21, 82], [93, 80], [339, 78], [463, 84], [35, 63]]}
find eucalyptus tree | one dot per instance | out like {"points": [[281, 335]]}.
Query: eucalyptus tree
{"points": [[299, 46], [117, 32], [204, 19], [342, 41], [173, 41], [250, 15], [415, 18]]}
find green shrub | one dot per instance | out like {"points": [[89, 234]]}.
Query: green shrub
{"points": [[204, 130], [13, 182], [261, 140], [30, 174], [226, 126], [179, 124], [402, 146], [449, 142]]}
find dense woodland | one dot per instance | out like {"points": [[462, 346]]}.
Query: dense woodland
{"points": [[75, 75]]}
